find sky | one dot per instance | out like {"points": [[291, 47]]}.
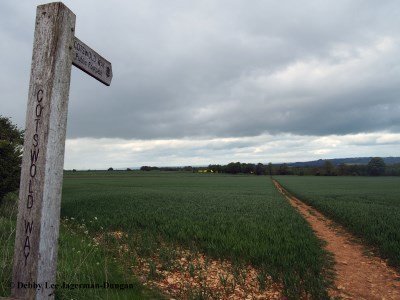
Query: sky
{"points": [[201, 82]]}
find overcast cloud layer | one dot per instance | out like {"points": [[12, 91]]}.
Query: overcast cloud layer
{"points": [[216, 70]]}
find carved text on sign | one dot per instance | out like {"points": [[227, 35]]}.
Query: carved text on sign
{"points": [[33, 168], [89, 61]]}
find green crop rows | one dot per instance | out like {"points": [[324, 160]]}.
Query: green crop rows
{"points": [[368, 206], [242, 218]]}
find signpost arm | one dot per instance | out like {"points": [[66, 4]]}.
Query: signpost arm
{"points": [[35, 255]]}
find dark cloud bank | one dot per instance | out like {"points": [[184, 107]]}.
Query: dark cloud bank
{"points": [[223, 68]]}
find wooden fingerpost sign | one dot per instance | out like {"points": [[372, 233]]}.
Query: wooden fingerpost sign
{"points": [[55, 49]]}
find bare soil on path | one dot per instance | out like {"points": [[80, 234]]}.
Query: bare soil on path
{"points": [[358, 275]]}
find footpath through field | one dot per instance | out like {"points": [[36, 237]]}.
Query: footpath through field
{"points": [[358, 276]]}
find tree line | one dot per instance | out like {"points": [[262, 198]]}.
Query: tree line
{"points": [[375, 167]]}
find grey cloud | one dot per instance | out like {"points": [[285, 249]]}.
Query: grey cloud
{"points": [[208, 69]]}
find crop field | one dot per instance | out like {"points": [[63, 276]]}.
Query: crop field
{"points": [[242, 219], [150, 228], [367, 206]]}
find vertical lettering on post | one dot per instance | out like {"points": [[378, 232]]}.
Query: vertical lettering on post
{"points": [[33, 169]]}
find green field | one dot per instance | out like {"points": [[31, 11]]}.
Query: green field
{"points": [[241, 218], [368, 206]]}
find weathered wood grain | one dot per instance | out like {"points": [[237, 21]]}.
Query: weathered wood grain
{"points": [[35, 255]]}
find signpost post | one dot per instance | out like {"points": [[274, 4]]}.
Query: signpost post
{"points": [[55, 49]]}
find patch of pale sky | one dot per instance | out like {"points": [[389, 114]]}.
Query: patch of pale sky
{"points": [[122, 153]]}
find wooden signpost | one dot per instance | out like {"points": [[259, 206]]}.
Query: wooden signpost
{"points": [[55, 49]]}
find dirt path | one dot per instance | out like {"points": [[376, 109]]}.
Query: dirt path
{"points": [[358, 276]]}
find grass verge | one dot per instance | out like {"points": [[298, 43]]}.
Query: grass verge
{"points": [[84, 271]]}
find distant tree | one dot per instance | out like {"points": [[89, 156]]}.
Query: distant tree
{"points": [[269, 168], [11, 141], [73, 170], [149, 168], [329, 168], [316, 171], [260, 169], [297, 171], [393, 170], [128, 169], [283, 169], [342, 169], [233, 168], [110, 169], [376, 166], [215, 168], [248, 168]]}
